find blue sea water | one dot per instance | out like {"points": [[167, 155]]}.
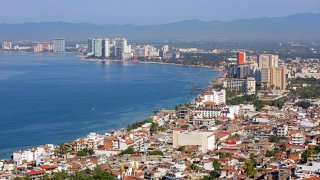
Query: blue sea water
{"points": [[55, 98]]}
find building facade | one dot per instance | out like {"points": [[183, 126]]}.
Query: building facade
{"points": [[99, 48], [6, 45], [247, 85], [204, 139], [59, 45], [42, 47], [268, 60], [241, 57], [274, 78]]}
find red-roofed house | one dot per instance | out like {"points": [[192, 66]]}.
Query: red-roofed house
{"points": [[36, 174]]}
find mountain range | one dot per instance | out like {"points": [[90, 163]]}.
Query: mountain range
{"points": [[304, 26]]}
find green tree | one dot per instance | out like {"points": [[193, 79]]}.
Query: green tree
{"points": [[156, 153], [235, 136], [193, 167], [61, 150], [185, 126], [224, 155], [154, 128], [276, 139], [283, 147], [81, 175], [303, 104], [181, 148], [136, 125], [85, 152], [306, 154], [61, 175], [216, 164], [129, 150], [249, 169], [100, 174], [217, 122], [269, 153], [252, 158], [213, 175]]}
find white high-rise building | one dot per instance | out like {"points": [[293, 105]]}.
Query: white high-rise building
{"points": [[121, 48], [140, 51], [165, 48], [58, 45], [6, 45], [219, 97], [268, 60], [99, 48], [146, 51], [91, 46], [105, 48]]}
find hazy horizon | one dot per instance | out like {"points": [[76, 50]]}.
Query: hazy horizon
{"points": [[164, 22], [146, 12]]}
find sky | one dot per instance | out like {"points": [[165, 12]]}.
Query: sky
{"points": [[148, 11]]}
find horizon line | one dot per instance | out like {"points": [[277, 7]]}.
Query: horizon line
{"points": [[131, 24]]}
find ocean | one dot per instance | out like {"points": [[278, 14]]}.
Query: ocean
{"points": [[54, 98]]}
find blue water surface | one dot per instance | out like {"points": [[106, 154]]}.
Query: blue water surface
{"points": [[54, 98]]}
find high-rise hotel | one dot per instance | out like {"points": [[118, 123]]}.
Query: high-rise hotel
{"points": [[104, 48], [272, 76], [121, 48], [58, 45], [99, 48], [241, 57]]}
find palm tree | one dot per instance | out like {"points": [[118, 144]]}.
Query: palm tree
{"points": [[249, 169], [193, 167], [61, 150], [216, 164]]}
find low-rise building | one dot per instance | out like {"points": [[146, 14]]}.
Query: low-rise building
{"points": [[282, 130], [297, 139], [247, 85], [206, 140]]}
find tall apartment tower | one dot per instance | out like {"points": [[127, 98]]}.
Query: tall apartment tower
{"points": [[120, 47], [99, 48], [105, 48], [272, 76], [278, 78], [59, 45], [268, 60], [6, 45], [91, 46], [241, 57]]}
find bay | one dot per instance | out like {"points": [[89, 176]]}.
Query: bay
{"points": [[54, 98]]}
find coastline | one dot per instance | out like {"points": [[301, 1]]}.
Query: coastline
{"points": [[82, 58], [218, 80], [98, 60]]}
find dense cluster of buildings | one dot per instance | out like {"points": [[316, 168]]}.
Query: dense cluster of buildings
{"points": [[191, 146], [6, 45], [263, 70], [57, 46], [101, 48], [304, 68], [118, 48], [204, 138], [105, 48]]}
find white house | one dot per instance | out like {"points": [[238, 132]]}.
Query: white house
{"points": [[297, 139], [201, 138]]}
